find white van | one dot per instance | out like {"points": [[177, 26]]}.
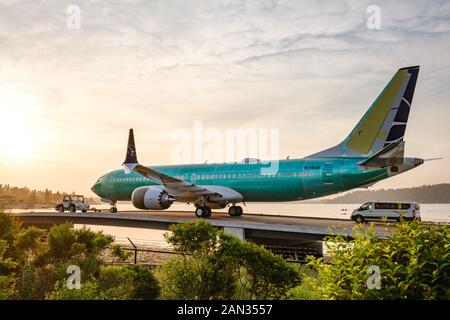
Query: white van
{"points": [[389, 210]]}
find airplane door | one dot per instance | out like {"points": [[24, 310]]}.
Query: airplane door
{"points": [[327, 173]]}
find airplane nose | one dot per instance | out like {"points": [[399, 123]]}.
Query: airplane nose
{"points": [[95, 188]]}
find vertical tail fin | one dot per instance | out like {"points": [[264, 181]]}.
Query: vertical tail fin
{"points": [[384, 122], [131, 156]]}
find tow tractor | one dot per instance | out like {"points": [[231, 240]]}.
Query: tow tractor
{"points": [[72, 203]]}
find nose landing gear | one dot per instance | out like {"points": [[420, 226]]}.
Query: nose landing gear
{"points": [[113, 208]]}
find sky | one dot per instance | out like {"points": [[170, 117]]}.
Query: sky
{"points": [[71, 88]]}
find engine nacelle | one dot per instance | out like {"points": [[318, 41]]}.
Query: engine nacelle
{"points": [[152, 198]]}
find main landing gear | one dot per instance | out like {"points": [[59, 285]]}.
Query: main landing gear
{"points": [[203, 212], [235, 211]]}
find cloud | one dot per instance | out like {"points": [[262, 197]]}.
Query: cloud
{"points": [[310, 69]]}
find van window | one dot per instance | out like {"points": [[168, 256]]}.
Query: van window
{"points": [[405, 206], [364, 207], [385, 206]]}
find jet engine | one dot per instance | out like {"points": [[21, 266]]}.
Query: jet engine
{"points": [[152, 198]]}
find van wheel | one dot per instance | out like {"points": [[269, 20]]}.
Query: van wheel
{"points": [[359, 219], [72, 209]]}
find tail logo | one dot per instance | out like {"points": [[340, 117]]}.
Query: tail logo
{"points": [[131, 151]]}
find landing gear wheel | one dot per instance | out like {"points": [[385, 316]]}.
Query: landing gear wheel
{"points": [[200, 212], [235, 211], [113, 209], [208, 212], [72, 209]]}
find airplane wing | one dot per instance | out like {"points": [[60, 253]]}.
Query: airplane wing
{"points": [[390, 155], [176, 187]]}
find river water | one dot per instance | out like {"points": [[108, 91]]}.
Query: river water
{"points": [[429, 212]]}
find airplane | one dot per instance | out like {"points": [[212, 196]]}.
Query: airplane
{"points": [[373, 151]]}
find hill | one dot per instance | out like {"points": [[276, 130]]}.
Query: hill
{"points": [[437, 193]]}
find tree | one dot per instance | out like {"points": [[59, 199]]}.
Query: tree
{"points": [[50, 254], [33, 265], [47, 196], [413, 263], [9, 228], [7, 278], [145, 285], [216, 265], [269, 276], [31, 199]]}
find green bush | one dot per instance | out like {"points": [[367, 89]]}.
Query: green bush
{"points": [[60, 241], [120, 253], [269, 276], [9, 228], [197, 278], [414, 263], [193, 238], [88, 291], [216, 265], [33, 265], [7, 278], [145, 285], [27, 241], [114, 283], [307, 290]]}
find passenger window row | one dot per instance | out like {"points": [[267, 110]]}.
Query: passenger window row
{"points": [[221, 176]]}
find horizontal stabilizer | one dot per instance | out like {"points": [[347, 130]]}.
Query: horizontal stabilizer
{"points": [[390, 155], [433, 159]]}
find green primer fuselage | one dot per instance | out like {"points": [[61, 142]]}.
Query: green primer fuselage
{"points": [[295, 179]]}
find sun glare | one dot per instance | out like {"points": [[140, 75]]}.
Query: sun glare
{"points": [[18, 128]]}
